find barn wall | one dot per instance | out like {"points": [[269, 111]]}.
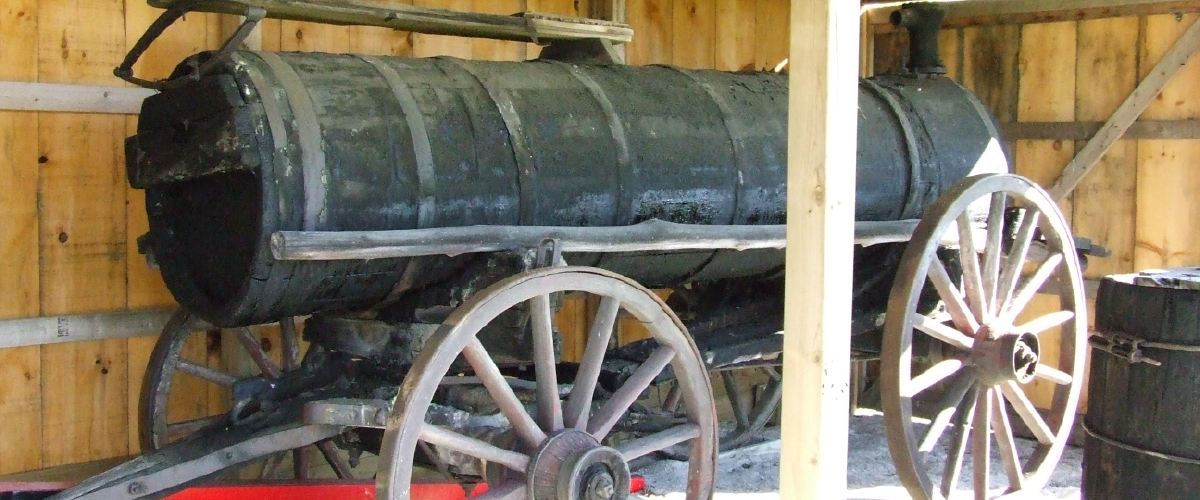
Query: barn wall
{"points": [[69, 221], [1139, 201]]}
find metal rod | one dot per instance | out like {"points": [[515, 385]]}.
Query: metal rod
{"points": [[651, 235]]}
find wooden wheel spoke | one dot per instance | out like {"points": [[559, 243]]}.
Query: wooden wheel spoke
{"points": [[740, 412], [206, 373], [451, 440], [958, 444], [512, 490], [673, 397], [1004, 441], [301, 462], [609, 414], [645, 445], [1028, 412], [931, 376], [1030, 288], [981, 443], [491, 378], [335, 460], [960, 313], [972, 276], [190, 426], [549, 406], [289, 343], [1016, 257], [948, 407], [993, 249], [1046, 322], [939, 331], [271, 466], [256, 352], [579, 405], [1053, 375]]}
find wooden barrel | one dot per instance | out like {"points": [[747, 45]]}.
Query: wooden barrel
{"points": [[1143, 413]]}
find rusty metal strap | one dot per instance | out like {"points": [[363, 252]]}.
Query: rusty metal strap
{"points": [[1138, 449], [1129, 348]]}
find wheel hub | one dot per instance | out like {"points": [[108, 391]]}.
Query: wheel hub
{"points": [[1007, 357], [572, 465]]}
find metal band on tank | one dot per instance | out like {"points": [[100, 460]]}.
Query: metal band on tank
{"points": [[279, 140], [312, 154], [915, 196], [624, 202], [522, 153], [733, 129], [422, 150]]}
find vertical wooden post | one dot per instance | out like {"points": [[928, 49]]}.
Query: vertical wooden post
{"points": [[822, 139]]}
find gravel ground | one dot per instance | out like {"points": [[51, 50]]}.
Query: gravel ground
{"points": [[753, 472]]}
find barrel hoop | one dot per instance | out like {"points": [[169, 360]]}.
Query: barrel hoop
{"points": [[422, 150], [624, 165], [273, 109], [312, 154], [735, 131], [1138, 449], [522, 152], [914, 199]]}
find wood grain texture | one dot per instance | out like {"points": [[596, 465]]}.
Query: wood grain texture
{"points": [[20, 409], [20, 369], [379, 41], [771, 32], [1045, 92], [990, 67], [313, 37], [951, 48], [438, 45], [735, 35], [1105, 200], [82, 239], [652, 21], [822, 133], [694, 34], [496, 50], [1167, 228], [84, 406]]}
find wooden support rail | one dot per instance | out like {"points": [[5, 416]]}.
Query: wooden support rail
{"points": [[650, 236]]}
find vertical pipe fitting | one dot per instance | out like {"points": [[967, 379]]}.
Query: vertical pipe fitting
{"points": [[923, 21]]}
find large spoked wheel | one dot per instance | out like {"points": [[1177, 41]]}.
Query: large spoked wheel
{"points": [[749, 420], [560, 449], [184, 394], [986, 362]]}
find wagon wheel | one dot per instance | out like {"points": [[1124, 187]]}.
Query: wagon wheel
{"points": [[559, 451], [991, 361], [748, 420], [168, 366]]}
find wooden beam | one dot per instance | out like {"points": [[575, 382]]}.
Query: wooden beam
{"points": [[822, 139], [525, 27], [25, 96], [1082, 131], [1128, 112], [58, 329], [998, 12]]}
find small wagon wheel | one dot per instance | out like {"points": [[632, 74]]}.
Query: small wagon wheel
{"points": [[560, 450], [993, 360], [169, 366]]}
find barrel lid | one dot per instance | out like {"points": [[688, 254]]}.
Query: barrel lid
{"points": [[1183, 278]]}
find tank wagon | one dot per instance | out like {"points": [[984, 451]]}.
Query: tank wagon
{"points": [[426, 218]]}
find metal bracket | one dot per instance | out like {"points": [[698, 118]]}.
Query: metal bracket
{"points": [[125, 71], [1123, 346], [549, 253]]}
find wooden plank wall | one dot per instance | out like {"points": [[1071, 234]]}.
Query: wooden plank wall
{"points": [[69, 222], [1140, 200]]}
